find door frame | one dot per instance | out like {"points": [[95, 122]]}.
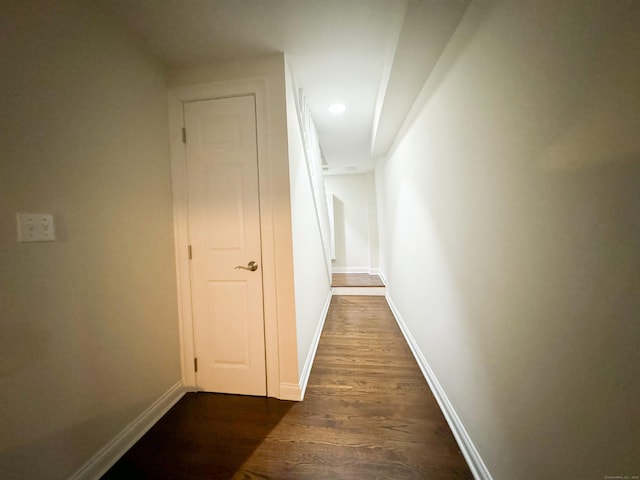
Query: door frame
{"points": [[177, 97]]}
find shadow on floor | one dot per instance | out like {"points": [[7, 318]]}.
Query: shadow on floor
{"points": [[204, 435]]}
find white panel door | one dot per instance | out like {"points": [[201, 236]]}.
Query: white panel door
{"points": [[224, 233]]}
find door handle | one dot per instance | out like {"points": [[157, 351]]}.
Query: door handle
{"points": [[251, 266]]}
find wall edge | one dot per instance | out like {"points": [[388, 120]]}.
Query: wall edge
{"points": [[110, 453]]}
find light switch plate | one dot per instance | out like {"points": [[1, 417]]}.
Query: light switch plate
{"points": [[36, 227]]}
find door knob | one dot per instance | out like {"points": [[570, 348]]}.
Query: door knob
{"points": [[252, 266]]}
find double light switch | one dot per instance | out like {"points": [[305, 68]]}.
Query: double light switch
{"points": [[36, 227]]}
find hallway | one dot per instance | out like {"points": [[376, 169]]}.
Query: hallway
{"points": [[367, 413]]}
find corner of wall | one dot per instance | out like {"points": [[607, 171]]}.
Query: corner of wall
{"points": [[108, 455]]}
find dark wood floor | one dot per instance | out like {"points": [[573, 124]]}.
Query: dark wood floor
{"points": [[367, 414], [355, 280]]}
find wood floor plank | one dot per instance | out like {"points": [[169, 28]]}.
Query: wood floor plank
{"points": [[368, 413]]}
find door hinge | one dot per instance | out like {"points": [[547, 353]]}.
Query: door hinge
{"points": [[195, 364], [184, 135], [190, 252]]}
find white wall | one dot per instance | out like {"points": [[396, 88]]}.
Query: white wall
{"points": [[510, 230], [88, 324], [311, 275], [355, 222]]}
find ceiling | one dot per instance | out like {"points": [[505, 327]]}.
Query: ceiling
{"points": [[371, 55]]}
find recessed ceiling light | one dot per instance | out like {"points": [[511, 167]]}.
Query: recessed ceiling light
{"points": [[337, 108]]}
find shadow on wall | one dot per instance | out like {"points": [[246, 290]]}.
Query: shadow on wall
{"points": [[601, 121], [61, 448], [462, 36]]}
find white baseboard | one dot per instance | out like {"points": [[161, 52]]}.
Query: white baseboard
{"points": [[370, 291], [382, 276], [369, 270], [306, 371], [350, 269], [289, 391], [468, 449], [106, 457]]}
